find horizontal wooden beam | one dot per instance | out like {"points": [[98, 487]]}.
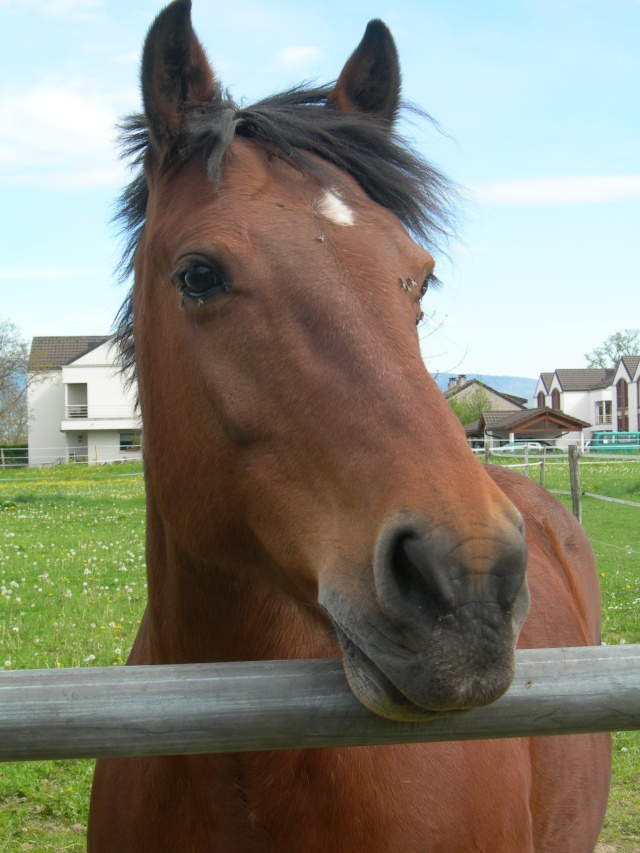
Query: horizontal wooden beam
{"points": [[234, 707]]}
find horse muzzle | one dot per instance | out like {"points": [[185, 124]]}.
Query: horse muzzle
{"points": [[435, 632]]}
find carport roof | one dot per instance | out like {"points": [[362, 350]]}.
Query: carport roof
{"points": [[530, 421]]}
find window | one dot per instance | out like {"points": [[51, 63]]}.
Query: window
{"points": [[130, 442], [555, 400], [541, 400], [622, 390], [622, 399], [603, 412]]}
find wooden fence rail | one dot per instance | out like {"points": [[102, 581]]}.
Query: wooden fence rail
{"points": [[229, 707]]}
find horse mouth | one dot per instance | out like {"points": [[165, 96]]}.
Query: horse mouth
{"points": [[375, 690]]}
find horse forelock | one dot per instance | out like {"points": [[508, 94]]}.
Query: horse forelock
{"points": [[293, 124]]}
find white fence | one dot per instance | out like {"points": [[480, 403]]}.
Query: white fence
{"points": [[80, 455]]}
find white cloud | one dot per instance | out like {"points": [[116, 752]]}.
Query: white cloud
{"points": [[296, 56], [60, 134], [554, 191]]}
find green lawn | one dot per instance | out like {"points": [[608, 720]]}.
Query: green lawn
{"points": [[72, 592]]}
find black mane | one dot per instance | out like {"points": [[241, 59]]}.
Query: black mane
{"points": [[290, 123]]}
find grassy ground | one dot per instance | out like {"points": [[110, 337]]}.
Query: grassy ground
{"points": [[72, 592], [613, 530]]}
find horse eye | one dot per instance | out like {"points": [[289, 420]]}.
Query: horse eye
{"points": [[199, 281], [430, 281]]}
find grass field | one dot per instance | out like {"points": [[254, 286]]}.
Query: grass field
{"points": [[73, 588]]}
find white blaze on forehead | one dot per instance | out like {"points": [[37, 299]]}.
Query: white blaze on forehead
{"points": [[332, 207]]}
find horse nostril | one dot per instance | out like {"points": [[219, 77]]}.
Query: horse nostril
{"points": [[416, 565], [435, 571]]}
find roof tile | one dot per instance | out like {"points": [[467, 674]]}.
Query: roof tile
{"points": [[585, 379], [52, 353]]}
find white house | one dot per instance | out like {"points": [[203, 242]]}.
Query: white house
{"points": [[626, 396], [606, 398], [80, 407]]}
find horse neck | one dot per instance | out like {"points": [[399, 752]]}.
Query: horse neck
{"points": [[202, 612]]}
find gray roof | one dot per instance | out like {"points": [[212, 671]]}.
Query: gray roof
{"points": [[631, 363], [497, 419], [585, 378], [54, 352], [547, 379]]}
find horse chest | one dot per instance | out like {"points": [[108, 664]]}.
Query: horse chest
{"points": [[373, 799]]}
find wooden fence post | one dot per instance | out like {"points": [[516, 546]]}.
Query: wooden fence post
{"points": [[543, 469], [574, 477]]}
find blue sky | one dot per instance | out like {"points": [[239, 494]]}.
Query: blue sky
{"points": [[538, 101]]}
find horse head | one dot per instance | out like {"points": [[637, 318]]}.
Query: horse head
{"points": [[291, 429]]}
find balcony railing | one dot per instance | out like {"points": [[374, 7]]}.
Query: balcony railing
{"points": [[98, 413], [76, 411], [603, 419]]}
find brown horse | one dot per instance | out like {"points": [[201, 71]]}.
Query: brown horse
{"points": [[309, 491]]}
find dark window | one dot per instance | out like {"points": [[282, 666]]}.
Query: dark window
{"points": [[622, 399], [130, 441], [555, 400], [541, 401], [623, 394]]}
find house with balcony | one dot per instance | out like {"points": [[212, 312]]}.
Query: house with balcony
{"points": [[606, 398], [80, 406]]}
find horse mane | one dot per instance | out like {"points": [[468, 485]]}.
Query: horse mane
{"points": [[291, 124]]}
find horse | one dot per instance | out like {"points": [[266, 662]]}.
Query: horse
{"points": [[310, 493]]}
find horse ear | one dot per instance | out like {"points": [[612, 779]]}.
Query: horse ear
{"points": [[370, 80], [175, 72]]}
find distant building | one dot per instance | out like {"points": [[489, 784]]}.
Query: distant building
{"points": [[507, 419], [80, 408], [460, 388], [607, 398], [542, 425], [626, 394]]}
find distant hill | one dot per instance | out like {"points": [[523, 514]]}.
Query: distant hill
{"points": [[519, 386]]}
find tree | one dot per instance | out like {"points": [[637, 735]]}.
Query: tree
{"points": [[14, 359], [469, 408], [625, 342]]}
